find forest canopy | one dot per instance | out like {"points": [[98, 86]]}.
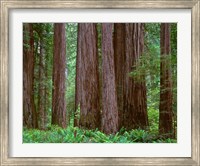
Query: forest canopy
{"points": [[99, 82]]}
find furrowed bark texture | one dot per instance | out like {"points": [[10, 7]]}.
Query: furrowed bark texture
{"points": [[109, 100], [87, 77], [135, 99], [165, 115], [59, 65], [119, 59], [29, 112]]}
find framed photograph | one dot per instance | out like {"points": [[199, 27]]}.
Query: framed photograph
{"points": [[100, 82]]}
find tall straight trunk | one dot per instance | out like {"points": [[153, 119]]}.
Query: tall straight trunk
{"points": [[78, 78], [41, 94], [29, 112], [59, 65], [165, 115], [119, 59], [135, 99], [87, 77], [46, 92], [109, 100]]}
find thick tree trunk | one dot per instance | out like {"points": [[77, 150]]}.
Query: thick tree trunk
{"points": [[165, 115], [87, 77], [135, 99], [119, 59], [59, 65], [109, 100], [29, 112]]}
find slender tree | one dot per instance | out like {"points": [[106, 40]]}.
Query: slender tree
{"points": [[41, 86], [87, 77], [109, 99], [29, 112], [135, 99], [59, 66], [165, 114], [119, 59]]}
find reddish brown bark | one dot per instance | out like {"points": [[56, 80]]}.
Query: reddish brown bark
{"points": [[119, 59], [109, 99], [87, 77], [135, 99], [59, 65], [165, 115], [29, 112], [119, 52]]}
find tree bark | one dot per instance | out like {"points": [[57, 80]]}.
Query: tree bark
{"points": [[87, 77], [119, 59], [109, 100], [165, 114], [29, 112], [135, 99], [59, 65]]}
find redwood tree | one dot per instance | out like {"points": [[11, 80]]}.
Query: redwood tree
{"points": [[41, 85], [165, 114], [135, 99], [119, 59], [87, 77], [109, 96], [29, 112], [59, 66]]}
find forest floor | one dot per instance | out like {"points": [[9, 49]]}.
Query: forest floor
{"points": [[55, 134], [77, 135]]}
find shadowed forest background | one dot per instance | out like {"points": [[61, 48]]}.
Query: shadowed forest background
{"points": [[99, 82]]}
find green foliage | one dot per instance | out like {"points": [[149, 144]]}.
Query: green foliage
{"points": [[71, 39], [77, 113], [56, 134], [153, 116]]}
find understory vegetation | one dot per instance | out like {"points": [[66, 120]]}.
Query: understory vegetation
{"points": [[56, 134]]}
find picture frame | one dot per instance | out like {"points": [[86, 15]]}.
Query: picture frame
{"points": [[6, 5]]}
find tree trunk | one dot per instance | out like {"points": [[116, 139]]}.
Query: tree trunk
{"points": [[41, 94], [109, 100], [29, 112], [135, 99], [119, 59], [59, 65], [165, 114], [87, 77]]}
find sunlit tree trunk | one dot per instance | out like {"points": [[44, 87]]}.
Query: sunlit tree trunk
{"points": [[59, 65], [87, 77], [109, 95], [29, 112], [165, 115], [135, 99]]}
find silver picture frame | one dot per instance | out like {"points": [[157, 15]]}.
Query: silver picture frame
{"points": [[6, 5]]}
